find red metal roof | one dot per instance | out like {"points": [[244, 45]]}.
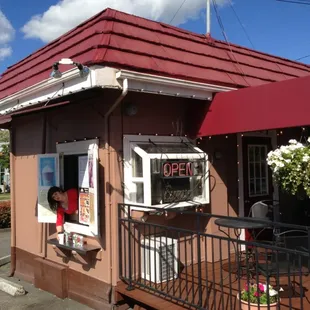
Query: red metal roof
{"points": [[270, 106], [120, 40]]}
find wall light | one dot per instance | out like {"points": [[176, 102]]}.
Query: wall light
{"points": [[56, 74], [84, 71]]}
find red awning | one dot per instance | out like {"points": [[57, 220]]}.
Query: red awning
{"points": [[270, 106]]}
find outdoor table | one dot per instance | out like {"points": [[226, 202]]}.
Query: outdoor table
{"points": [[237, 224]]}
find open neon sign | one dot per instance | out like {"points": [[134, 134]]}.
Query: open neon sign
{"points": [[177, 169]]}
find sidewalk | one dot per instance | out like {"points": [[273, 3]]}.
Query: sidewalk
{"points": [[34, 299]]}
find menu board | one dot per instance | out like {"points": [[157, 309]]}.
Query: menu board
{"points": [[83, 190], [84, 203]]}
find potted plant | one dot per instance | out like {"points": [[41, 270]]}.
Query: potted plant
{"points": [[258, 296], [290, 165]]}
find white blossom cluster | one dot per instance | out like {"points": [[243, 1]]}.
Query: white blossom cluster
{"points": [[290, 165]]}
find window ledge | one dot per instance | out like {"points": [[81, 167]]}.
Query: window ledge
{"points": [[69, 246]]}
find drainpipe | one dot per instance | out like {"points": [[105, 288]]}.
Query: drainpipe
{"points": [[43, 226], [107, 140], [13, 209]]}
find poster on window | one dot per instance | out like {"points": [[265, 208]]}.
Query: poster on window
{"points": [[47, 171], [90, 170], [84, 206], [83, 172], [48, 176], [93, 188]]}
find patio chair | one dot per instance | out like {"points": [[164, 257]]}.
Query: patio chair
{"points": [[287, 263], [263, 210]]}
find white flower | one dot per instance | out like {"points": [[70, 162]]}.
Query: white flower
{"points": [[305, 158], [272, 293], [308, 139], [292, 141]]}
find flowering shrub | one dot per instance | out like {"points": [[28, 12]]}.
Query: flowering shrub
{"points": [[5, 214], [255, 293], [290, 165]]}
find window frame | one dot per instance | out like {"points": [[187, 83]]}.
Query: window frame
{"points": [[131, 144], [75, 148]]}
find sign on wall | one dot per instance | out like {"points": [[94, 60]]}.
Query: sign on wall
{"points": [[177, 169], [93, 169], [48, 176]]}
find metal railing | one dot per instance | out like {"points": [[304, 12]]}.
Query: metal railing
{"points": [[194, 262]]}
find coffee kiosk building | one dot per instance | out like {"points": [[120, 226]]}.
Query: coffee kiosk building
{"points": [[119, 120]]}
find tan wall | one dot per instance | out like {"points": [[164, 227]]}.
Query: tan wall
{"points": [[156, 115]]}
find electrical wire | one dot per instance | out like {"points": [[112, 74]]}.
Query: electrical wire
{"points": [[303, 57], [176, 13], [235, 61], [295, 1], [305, 2], [239, 20]]}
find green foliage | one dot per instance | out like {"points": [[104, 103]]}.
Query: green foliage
{"points": [[258, 293], [5, 214], [5, 156], [4, 135], [5, 149]]}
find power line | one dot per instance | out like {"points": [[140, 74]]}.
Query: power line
{"points": [[239, 20], [303, 57], [295, 1], [234, 61], [176, 13]]}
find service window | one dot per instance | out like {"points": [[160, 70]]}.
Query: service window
{"points": [[165, 172], [74, 166]]}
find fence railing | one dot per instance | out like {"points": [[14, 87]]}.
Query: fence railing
{"points": [[201, 261]]}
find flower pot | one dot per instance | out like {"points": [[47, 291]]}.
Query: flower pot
{"points": [[246, 306]]}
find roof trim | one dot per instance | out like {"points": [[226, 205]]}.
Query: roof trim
{"points": [[100, 76], [143, 82], [46, 90]]}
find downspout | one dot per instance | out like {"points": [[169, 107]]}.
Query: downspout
{"points": [[107, 140], [43, 226], [13, 209]]}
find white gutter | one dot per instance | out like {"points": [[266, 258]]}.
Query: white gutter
{"points": [[142, 82]]}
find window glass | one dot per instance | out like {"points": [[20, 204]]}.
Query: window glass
{"points": [[257, 170], [176, 180], [138, 195], [137, 170]]}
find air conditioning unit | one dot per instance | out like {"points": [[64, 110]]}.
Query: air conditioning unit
{"points": [[159, 259]]}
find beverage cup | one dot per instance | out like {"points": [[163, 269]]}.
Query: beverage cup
{"points": [[61, 238], [48, 176]]}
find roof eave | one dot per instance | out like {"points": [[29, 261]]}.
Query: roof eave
{"points": [[149, 83], [106, 77]]}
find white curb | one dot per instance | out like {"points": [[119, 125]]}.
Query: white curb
{"points": [[11, 288], [5, 260]]}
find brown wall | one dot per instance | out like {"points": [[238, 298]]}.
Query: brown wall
{"points": [[156, 115]]}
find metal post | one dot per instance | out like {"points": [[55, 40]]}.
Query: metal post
{"points": [[130, 287], [208, 18], [198, 227]]}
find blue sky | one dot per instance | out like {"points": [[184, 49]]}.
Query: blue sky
{"points": [[274, 27]]}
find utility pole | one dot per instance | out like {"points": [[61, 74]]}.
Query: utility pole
{"points": [[208, 18]]}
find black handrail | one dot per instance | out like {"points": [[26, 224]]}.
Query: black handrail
{"points": [[197, 268]]}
